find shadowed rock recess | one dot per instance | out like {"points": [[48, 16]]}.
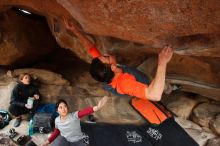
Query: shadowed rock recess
{"points": [[133, 31]]}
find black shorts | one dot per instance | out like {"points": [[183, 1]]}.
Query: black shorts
{"points": [[17, 110]]}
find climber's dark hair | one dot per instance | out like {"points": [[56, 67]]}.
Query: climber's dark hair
{"points": [[61, 101], [100, 71]]}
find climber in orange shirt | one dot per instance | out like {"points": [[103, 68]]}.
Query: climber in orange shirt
{"points": [[122, 80], [111, 73]]}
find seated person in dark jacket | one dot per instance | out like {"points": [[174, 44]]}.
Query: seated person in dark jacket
{"points": [[20, 94]]}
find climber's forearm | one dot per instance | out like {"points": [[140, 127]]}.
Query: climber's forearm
{"points": [[155, 89]]}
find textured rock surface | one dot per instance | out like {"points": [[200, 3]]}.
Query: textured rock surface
{"points": [[201, 137], [215, 124], [43, 76], [5, 95], [23, 40], [132, 30], [143, 21], [204, 113], [195, 131], [180, 104], [183, 72], [186, 124], [213, 142]]}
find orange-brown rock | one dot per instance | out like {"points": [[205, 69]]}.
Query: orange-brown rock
{"points": [[191, 26], [24, 40], [132, 30]]}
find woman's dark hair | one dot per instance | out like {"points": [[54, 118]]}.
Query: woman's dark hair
{"points": [[21, 76], [100, 71], [61, 101]]}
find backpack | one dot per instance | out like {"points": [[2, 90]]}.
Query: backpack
{"points": [[43, 122], [4, 118], [153, 112]]}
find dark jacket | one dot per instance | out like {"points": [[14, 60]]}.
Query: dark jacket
{"points": [[21, 92]]}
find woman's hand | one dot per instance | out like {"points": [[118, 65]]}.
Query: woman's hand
{"points": [[101, 103], [28, 107], [36, 97]]}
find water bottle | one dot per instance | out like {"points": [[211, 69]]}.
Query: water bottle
{"points": [[31, 129]]}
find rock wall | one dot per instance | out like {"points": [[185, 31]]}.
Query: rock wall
{"points": [[131, 30], [23, 39], [134, 31]]}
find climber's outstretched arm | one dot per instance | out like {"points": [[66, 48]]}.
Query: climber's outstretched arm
{"points": [[82, 38], [155, 89]]}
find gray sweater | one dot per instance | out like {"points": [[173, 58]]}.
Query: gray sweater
{"points": [[70, 128]]}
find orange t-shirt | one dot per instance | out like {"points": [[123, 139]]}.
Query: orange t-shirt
{"points": [[94, 52], [126, 84]]}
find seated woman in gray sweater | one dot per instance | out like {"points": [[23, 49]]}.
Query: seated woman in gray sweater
{"points": [[67, 130]]}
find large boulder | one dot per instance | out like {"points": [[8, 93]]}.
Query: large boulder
{"points": [[180, 104], [214, 142], [5, 95], [187, 124], [204, 113], [117, 110], [86, 82], [43, 76], [215, 124], [201, 137], [195, 131]]}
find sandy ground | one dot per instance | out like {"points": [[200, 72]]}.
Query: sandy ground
{"points": [[38, 138]]}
